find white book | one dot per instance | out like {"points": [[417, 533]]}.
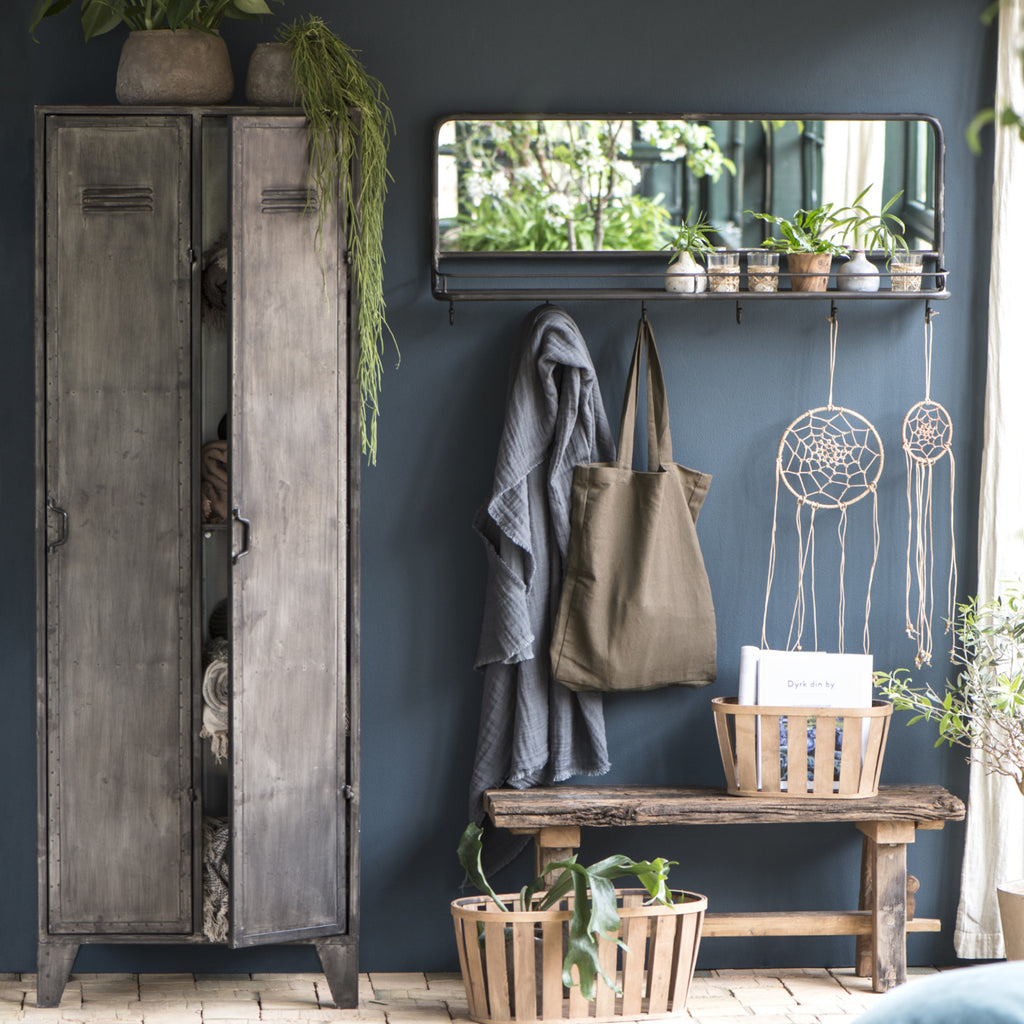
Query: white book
{"points": [[815, 679]]}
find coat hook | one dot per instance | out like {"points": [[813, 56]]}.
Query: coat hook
{"points": [[451, 312], [739, 313], [834, 315], [643, 309], [929, 313]]}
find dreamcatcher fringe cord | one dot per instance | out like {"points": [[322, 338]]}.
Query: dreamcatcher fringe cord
{"points": [[927, 437], [828, 458]]}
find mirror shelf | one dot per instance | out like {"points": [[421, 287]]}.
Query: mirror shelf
{"points": [[589, 206]]}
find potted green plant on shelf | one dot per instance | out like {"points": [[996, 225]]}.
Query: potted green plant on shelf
{"points": [[808, 240], [872, 232], [564, 930], [981, 710], [347, 115], [684, 273], [173, 54]]}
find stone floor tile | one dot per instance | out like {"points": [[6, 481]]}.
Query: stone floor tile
{"points": [[392, 982]]}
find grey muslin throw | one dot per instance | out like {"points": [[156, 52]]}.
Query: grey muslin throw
{"points": [[534, 730]]}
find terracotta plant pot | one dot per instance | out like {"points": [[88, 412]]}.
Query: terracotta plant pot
{"points": [[269, 81], [808, 271], [177, 68]]}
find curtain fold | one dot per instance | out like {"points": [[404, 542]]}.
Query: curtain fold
{"points": [[994, 849]]}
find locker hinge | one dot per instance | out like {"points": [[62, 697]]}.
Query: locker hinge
{"points": [[348, 792], [190, 254], [348, 257], [193, 795]]}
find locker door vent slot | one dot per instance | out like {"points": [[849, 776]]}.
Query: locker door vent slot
{"points": [[289, 200], [117, 199]]}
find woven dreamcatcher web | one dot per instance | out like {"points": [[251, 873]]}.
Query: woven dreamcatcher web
{"points": [[829, 458], [927, 438]]}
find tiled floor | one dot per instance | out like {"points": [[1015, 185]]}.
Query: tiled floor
{"points": [[769, 996]]}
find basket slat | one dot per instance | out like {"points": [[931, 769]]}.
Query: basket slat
{"points": [[688, 930], [524, 954], [634, 934], [497, 971], [746, 739], [824, 755], [551, 975], [659, 967], [476, 990], [751, 757], [604, 997]]}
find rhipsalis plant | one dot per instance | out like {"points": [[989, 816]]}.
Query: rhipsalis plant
{"points": [[346, 111], [595, 906], [983, 709]]}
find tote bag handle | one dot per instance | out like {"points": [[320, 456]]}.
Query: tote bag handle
{"points": [[659, 436]]}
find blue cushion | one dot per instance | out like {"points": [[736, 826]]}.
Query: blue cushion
{"points": [[990, 994]]}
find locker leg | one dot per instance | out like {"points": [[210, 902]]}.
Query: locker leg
{"points": [[53, 968], [340, 962]]}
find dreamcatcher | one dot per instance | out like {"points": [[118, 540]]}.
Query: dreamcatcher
{"points": [[927, 437], [829, 458]]}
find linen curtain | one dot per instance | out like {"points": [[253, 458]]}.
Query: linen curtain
{"points": [[994, 850]]}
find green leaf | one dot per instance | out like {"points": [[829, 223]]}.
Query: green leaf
{"points": [[469, 850], [980, 119], [45, 9], [178, 11], [99, 17]]}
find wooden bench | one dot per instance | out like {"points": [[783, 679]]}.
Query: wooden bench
{"points": [[888, 822]]}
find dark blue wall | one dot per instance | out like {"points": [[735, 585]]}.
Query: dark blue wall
{"points": [[733, 388]]}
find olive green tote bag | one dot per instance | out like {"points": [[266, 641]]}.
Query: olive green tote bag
{"points": [[635, 612]]}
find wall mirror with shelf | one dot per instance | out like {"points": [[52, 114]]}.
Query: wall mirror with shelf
{"points": [[534, 202]]}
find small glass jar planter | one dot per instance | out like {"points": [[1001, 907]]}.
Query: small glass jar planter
{"points": [[762, 271], [905, 270], [723, 271]]}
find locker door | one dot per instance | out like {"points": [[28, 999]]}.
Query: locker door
{"points": [[117, 482], [289, 486]]}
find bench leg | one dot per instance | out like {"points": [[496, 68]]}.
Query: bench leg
{"points": [[864, 956], [551, 844], [885, 849]]}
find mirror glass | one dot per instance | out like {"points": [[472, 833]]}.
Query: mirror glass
{"points": [[513, 184]]}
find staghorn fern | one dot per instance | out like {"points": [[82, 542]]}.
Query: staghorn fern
{"points": [[332, 82]]}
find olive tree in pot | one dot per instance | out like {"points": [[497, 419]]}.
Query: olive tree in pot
{"points": [[173, 54], [981, 710]]}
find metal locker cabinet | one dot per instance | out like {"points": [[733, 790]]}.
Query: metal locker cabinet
{"points": [[120, 197]]}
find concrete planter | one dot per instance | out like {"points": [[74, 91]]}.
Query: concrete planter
{"points": [[177, 68]]}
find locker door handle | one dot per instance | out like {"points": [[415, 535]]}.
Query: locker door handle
{"points": [[62, 537], [246, 526]]}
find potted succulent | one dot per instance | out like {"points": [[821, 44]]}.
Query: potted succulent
{"points": [[684, 273], [807, 239], [173, 53], [564, 930], [868, 231], [982, 710], [347, 115]]}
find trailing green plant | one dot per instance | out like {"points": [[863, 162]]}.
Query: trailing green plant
{"points": [[347, 113], [691, 238], [806, 231], [594, 911], [983, 708], [1008, 117], [882, 231], [100, 16]]}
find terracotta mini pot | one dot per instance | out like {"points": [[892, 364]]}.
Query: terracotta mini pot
{"points": [[176, 68], [808, 271]]}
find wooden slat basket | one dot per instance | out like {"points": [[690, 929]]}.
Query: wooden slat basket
{"points": [[512, 962], [780, 751]]}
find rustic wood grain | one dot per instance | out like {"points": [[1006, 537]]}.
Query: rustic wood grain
{"points": [[606, 806]]}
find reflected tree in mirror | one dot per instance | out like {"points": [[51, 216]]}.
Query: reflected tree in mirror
{"points": [[566, 185], [569, 184]]}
